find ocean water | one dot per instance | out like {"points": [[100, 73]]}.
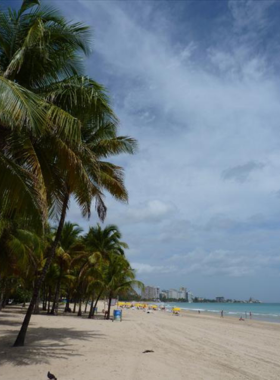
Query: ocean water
{"points": [[260, 311]]}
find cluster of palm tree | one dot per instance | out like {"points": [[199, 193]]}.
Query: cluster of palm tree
{"points": [[57, 131], [84, 269]]}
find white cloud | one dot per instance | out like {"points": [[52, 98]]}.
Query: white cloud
{"points": [[150, 269], [222, 263], [151, 211]]}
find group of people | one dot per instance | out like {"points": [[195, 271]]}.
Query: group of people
{"points": [[240, 319]]}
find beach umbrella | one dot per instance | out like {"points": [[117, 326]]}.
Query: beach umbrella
{"points": [[176, 309]]}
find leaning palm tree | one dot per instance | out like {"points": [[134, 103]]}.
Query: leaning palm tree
{"points": [[56, 126], [28, 57]]}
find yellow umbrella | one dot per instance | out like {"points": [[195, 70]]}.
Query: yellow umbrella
{"points": [[153, 306], [176, 309]]}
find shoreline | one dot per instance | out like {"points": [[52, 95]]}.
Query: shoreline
{"points": [[234, 315], [230, 311], [191, 313]]}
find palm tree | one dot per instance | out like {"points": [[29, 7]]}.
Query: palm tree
{"points": [[105, 241], [27, 46], [21, 252], [69, 246], [118, 277], [100, 243], [56, 126]]}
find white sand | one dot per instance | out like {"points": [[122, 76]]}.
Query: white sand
{"points": [[185, 347]]}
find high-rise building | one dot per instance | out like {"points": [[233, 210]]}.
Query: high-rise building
{"points": [[163, 294], [150, 293], [173, 293], [182, 294], [220, 299], [189, 297]]}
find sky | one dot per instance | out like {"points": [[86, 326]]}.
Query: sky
{"points": [[197, 84]]}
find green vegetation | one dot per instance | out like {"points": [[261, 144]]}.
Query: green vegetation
{"points": [[164, 299], [57, 130], [79, 271]]}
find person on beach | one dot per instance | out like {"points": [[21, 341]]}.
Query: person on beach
{"points": [[222, 313], [250, 315]]}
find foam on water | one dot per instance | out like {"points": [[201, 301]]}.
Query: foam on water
{"points": [[262, 311]]}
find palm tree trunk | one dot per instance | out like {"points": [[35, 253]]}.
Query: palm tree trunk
{"points": [[49, 299], [2, 295], [80, 308], [44, 298], [96, 302], [86, 306], [39, 282], [37, 305], [91, 308], [109, 306], [74, 308], [67, 306], [57, 294], [4, 301], [6, 297]]}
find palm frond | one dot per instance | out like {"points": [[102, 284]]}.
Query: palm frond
{"points": [[19, 195], [81, 95], [20, 107], [26, 4]]}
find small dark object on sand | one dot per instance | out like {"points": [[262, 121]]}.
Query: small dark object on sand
{"points": [[146, 351], [51, 376]]}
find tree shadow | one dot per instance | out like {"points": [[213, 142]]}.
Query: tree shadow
{"points": [[14, 310], [8, 322], [43, 344]]}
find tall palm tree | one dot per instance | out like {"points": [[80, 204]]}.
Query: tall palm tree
{"points": [[56, 125]]}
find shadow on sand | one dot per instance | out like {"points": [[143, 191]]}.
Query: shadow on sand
{"points": [[42, 344]]}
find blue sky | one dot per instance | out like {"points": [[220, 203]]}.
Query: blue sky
{"points": [[197, 83]]}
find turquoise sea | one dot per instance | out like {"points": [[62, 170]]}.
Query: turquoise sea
{"points": [[260, 311]]}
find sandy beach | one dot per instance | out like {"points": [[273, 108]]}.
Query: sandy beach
{"points": [[188, 346]]}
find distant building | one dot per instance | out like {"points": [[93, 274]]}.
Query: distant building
{"points": [[173, 293], [220, 299], [182, 294], [189, 297], [157, 292], [163, 294], [150, 293], [200, 299]]}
